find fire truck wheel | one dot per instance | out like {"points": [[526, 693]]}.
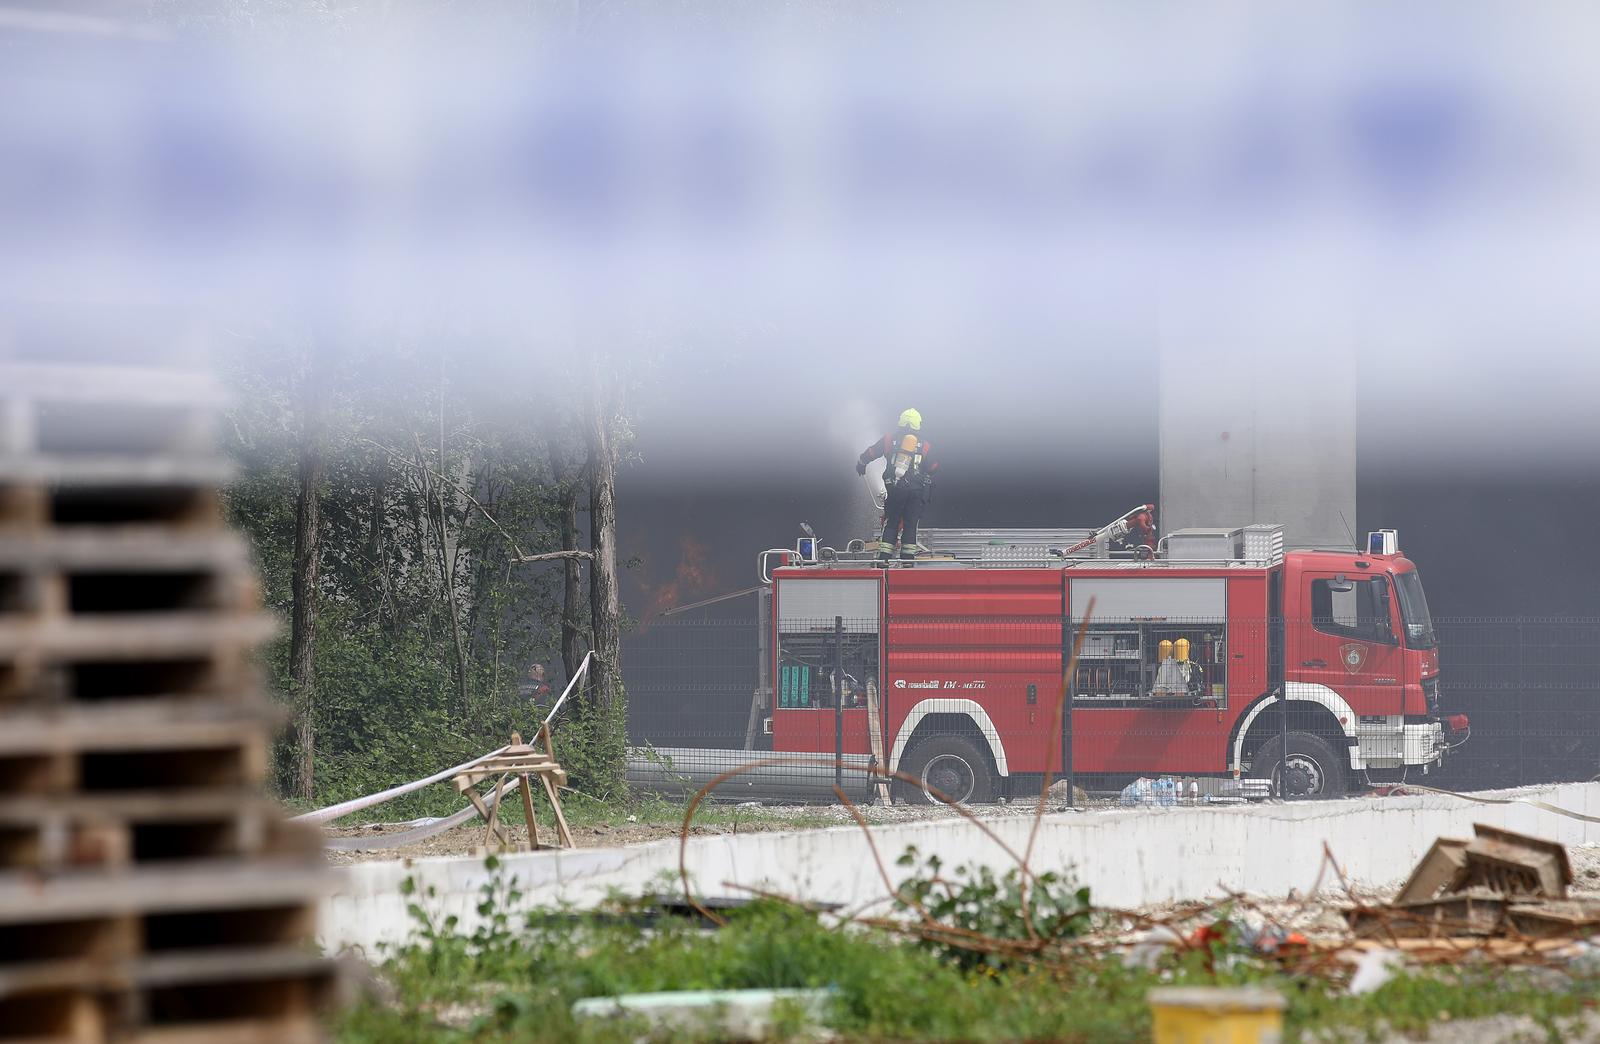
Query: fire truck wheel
{"points": [[1313, 767], [952, 765]]}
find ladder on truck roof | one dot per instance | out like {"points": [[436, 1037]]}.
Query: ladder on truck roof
{"points": [[1003, 545], [1017, 546], [1260, 544]]}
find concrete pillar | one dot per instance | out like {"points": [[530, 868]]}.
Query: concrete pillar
{"points": [[1258, 419]]}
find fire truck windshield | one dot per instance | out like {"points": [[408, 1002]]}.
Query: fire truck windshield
{"points": [[1414, 609]]}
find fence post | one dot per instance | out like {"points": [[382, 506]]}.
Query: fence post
{"points": [[838, 702], [762, 699], [1066, 739], [1522, 700], [1283, 742]]}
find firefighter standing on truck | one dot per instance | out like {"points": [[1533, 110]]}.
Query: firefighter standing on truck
{"points": [[908, 477]]}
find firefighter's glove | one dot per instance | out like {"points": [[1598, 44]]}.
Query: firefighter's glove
{"points": [[861, 467]]}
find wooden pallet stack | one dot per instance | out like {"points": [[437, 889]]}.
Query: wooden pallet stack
{"points": [[148, 891]]}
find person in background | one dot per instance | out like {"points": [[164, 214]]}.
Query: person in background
{"points": [[1141, 535], [908, 477], [534, 688]]}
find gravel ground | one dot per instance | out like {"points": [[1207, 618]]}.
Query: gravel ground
{"points": [[1585, 861], [1492, 1029]]}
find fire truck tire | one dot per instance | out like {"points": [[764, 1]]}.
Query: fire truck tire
{"points": [[953, 765], [1314, 768]]}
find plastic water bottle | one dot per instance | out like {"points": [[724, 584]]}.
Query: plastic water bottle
{"points": [[1166, 791]]}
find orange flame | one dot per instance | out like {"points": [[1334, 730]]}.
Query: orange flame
{"points": [[691, 580]]}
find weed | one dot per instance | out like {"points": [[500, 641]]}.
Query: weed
{"points": [[516, 975], [1050, 908]]}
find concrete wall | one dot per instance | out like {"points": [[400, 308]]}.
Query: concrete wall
{"points": [[1128, 858], [1257, 421]]}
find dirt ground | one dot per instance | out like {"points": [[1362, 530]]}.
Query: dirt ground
{"points": [[721, 819]]}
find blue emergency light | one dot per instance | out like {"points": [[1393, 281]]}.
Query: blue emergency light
{"points": [[806, 549], [1383, 542]]}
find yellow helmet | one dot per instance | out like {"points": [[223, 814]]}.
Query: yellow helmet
{"points": [[911, 419]]}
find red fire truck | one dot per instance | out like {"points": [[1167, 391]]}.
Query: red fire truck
{"points": [[1199, 658]]}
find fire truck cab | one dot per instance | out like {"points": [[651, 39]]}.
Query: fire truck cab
{"points": [[1196, 661]]}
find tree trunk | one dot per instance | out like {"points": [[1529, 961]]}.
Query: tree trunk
{"points": [[307, 560], [603, 606], [568, 488], [377, 517], [447, 560], [454, 580]]}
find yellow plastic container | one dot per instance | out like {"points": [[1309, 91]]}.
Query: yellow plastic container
{"points": [[1216, 1015]]}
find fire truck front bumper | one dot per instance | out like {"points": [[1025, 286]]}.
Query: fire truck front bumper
{"points": [[1428, 743], [1423, 744], [1394, 743]]}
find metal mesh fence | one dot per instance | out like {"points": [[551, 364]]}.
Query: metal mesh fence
{"points": [[1197, 707]]}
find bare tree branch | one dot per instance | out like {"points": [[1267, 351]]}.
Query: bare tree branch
{"points": [[555, 554], [520, 556]]}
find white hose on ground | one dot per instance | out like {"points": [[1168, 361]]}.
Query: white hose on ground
{"points": [[344, 808], [1481, 800], [375, 842]]}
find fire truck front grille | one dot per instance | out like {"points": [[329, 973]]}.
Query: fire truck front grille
{"points": [[1430, 692]]}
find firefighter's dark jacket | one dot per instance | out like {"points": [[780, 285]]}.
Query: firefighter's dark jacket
{"points": [[885, 447]]}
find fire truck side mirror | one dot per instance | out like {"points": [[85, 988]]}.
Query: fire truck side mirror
{"points": [[1341, 584], [1382, 623]]}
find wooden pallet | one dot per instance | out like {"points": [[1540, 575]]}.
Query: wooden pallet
{"points": [[233, 761], [39, 955], [266, 993], [158, 723], [219, 884], [1439, 869], [69, 1016], [29, 503], [51, 835], [56, 573], [1558, 918], [133, 636], [107, 445], [223, 956], [1515, 864], [251, 994], [94, 658]]}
